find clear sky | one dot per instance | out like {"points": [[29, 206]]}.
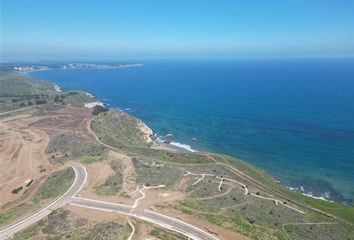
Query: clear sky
{"points": [[162, 28]]}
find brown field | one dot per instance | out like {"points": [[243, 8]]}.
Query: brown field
{"points": [[24, 139]]}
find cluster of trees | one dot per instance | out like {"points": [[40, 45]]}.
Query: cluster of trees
{"points": [[98, 109], [59, 99], [30, 103]]}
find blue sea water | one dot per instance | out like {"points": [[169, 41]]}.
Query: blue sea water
{"points": [[293, 118]]}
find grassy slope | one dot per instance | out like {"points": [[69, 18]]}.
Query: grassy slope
{"points": [[55, 185], [74, 147], [18, 91], [124, 132], [315, 208], [338, 210], [61, 224]]}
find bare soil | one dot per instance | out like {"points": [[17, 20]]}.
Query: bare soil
{"points": [[24, 139]]}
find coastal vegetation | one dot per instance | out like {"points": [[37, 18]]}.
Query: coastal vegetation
{"points": [[161, 233], [242, 213], [61, 224], [14, 213], [124, 132], [222, 191], [19, 91], [64, 147], [55, 185], [98, 109]]}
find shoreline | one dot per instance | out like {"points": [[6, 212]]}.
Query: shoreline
{"points": [[301, 190], [173, 146], [57, 88], [159, 143]]}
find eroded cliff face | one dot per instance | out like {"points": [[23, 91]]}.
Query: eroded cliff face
{"points": [[146, 131]]}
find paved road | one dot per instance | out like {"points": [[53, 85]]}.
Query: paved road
{"points": [[69, 197], [80, 180], [149, 216]]}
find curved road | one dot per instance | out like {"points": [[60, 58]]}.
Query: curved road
{"points": [[80, 180], [69, 197]]}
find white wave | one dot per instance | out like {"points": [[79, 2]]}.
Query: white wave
{"points": [[57, 88], [323, 197], [327, 195], [184, 146], [159, 139]]}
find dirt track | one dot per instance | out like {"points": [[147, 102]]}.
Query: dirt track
{"points": [[23, 141]]}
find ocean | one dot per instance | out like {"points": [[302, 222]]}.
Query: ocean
{"points": [[292, 117]]}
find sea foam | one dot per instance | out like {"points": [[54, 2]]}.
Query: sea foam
{"points": [[324, 197], [184, 146]]}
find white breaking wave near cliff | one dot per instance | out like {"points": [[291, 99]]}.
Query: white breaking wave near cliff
{"points": [[184, 146]]}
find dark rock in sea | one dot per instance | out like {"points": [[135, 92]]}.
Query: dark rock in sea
{"points": [[153, 136]]}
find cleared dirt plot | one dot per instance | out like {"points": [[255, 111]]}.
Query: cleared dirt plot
{"points": [[154, 197], [30, 179], [97, 175], [25, 139], [22, 157], [129, 174], [61, 119], [113, 183], [107, 181]]}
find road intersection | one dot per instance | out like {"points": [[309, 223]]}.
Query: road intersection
{"points": [[70, 197]]}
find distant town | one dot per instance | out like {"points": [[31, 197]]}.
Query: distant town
{"points": [[30, 67]]}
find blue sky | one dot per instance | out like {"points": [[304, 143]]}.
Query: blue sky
{"points": [[161, 28]]}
